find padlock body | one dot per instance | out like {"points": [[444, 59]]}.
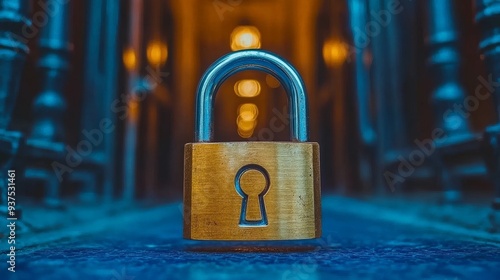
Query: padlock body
{"points": [[213, 205]]}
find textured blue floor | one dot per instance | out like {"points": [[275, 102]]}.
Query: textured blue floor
{"points": [[352, 248]]}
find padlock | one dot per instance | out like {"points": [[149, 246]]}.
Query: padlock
{"points": [[251, 190]]}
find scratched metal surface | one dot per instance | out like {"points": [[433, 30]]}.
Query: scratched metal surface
{"points": [[352, 247]]}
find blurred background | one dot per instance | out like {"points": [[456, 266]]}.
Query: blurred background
{"points": [[97, 100], [97, 97]]}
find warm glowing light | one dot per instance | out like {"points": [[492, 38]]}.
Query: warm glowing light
{"points": [[129, 59], [272, 81], [247, 88], [246, 129], [335, 52], [245, 37], [248, 114], [248, 108], [247, 119], [245, 134], [157, 53], [245, 125]]}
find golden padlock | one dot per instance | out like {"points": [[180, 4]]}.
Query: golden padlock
{"points": [[251, 190]]}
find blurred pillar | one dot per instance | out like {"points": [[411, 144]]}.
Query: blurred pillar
{"points": [[157, 53], [488, 19], [55, 48], [444, 65], [361, 54], [303, 54], [132, 57], [186, 73], [15, 32], [100, 100], [335, 54], [151, 153], [46, 142], [384, 31]]}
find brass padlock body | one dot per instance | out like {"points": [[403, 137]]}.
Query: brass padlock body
{"points": [[213, 206]]}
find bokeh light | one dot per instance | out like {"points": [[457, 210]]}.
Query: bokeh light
{"points": [[157, 53], [247, 88], [247, 119], [245, 37], [129, 59], [335, 52]]}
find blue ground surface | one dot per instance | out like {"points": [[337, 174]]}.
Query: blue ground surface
{"points": [[352, 247]]}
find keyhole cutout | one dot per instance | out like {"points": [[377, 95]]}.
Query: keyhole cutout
{"points": [[252, 183]]}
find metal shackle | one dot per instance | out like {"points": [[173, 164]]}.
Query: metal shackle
{"points": [[267, 62]]}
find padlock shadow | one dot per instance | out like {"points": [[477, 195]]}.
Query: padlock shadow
{"points": [[250, 247]]}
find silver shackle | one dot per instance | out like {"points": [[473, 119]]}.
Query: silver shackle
{"points": [[235, 62]]}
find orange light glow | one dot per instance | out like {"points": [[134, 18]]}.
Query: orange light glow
{"points": [[248, 115], [157, 53], [247, 88], [245, 134], [247, 119], [245, 37], [245, 125], [129, 59], [249, 108], [334, 52]]}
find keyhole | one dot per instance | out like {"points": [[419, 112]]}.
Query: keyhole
{"points": [[252, 183]]}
